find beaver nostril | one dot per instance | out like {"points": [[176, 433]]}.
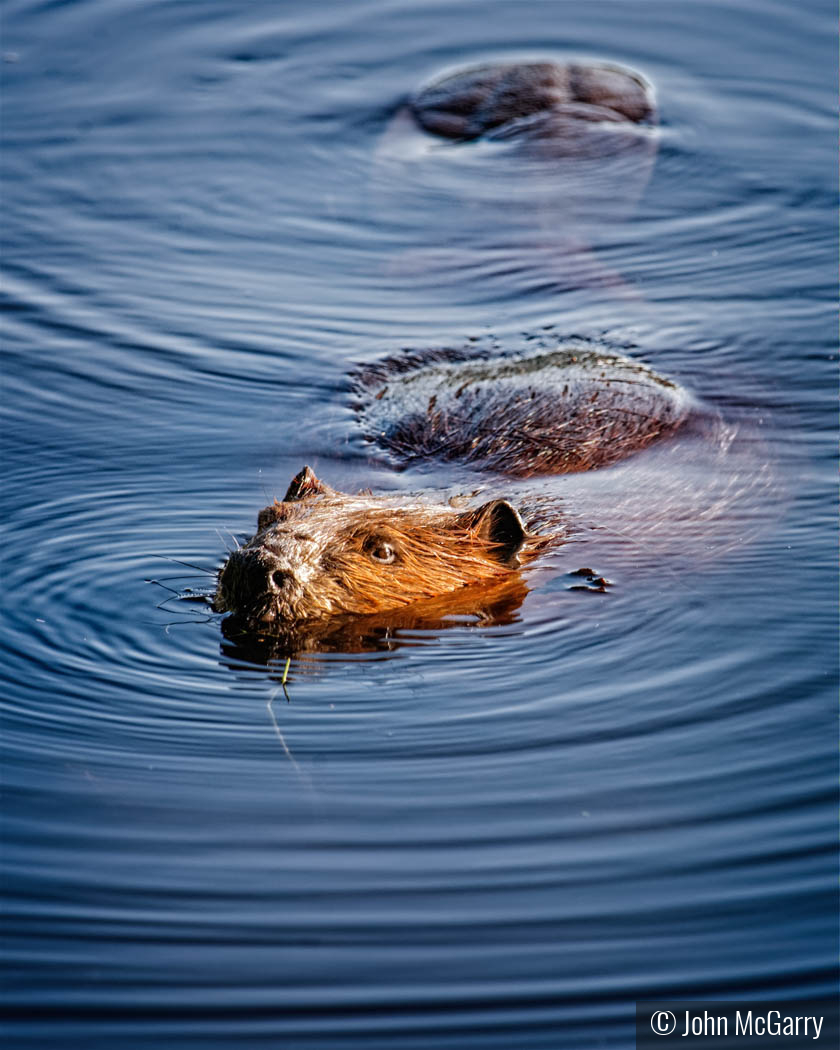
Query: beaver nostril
{"points": [[279, 578]]}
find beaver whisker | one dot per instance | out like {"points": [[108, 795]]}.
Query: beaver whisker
{"points": [[167, 579], [180, 623], [235, 540], [187, 564], [163, 587]]}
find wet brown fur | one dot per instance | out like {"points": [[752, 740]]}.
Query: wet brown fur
{"points": [[574, 408], [321, 553], [431, 559], [477, 101]]}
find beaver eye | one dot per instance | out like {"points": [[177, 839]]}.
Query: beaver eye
{"points": [[383, 552]]}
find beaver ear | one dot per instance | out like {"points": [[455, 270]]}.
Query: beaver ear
{"points": [[498, 523], [303, 485]]}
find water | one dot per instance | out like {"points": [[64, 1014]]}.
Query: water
{"points": [[486, 836]]}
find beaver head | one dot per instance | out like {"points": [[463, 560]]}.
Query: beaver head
{"points": [[509, 98], [320, 553]]}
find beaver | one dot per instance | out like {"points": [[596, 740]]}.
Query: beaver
{"points": [[319, 554]]}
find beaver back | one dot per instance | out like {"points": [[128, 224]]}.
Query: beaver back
{"points": [[478, 101], [573, 408]]}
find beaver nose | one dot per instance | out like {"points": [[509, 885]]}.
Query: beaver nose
{"points": [[250, 575], [278, 579]]}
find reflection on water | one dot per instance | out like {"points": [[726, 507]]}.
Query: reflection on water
{"points": [[562, 164], [490, 605], [487, 826]]}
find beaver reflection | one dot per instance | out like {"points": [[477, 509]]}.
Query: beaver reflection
{"points": [[481, 605], [543, 158]]}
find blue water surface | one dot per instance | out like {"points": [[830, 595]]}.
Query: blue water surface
{"points": [[489, 836]]}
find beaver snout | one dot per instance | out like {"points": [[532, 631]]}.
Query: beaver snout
{"points": [[253, 582]]}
